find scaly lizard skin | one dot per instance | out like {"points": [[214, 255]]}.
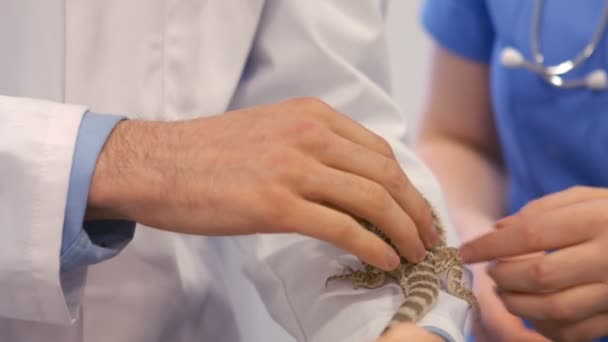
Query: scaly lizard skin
{"points": [[420, 283]]}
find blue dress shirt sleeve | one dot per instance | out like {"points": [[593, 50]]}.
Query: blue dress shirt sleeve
{"points": [[440, 332], [85, 243]]}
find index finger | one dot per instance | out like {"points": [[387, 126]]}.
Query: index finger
{"points": [[543, 232], [358, 160]]}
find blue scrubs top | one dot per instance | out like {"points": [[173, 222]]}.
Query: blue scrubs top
{"points": [[551, 138]]}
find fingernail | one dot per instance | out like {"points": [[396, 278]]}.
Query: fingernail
{"points": [[420, 252], [490, 267], [465, 253], [427, 241], [392, 260], [436, 237]]}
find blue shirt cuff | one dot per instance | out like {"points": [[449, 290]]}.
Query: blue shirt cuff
{"points": [[439, 332], [91, 242]]}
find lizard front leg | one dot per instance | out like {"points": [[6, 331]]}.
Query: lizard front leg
{"points": [[370, 278]]}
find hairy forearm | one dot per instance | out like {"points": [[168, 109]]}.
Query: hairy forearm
{"points": [[475, 185]]}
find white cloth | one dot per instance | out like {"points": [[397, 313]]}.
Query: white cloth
{"points": [[178, 59]]}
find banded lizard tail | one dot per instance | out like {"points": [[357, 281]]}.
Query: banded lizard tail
{"points": [[420, 283]]}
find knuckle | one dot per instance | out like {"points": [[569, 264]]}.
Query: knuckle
{"points": [[384, 146], [380, 200], [311, 134], [559, 311], [393, 174], [310, 102], [542, 275]]}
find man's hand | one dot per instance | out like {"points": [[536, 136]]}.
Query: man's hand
{"points": [[565, 292], [409, 332], [296, 166]]}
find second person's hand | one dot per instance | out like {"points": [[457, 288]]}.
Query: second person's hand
{"points": [[294, 166], [496, 324], [563, 292]]}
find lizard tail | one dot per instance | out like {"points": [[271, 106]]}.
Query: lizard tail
{"points": [[423, 287]]}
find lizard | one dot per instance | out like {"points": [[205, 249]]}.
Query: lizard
{"points": [[420, 283]]}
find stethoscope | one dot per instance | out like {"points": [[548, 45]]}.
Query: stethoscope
{"points": [[595, 80]]}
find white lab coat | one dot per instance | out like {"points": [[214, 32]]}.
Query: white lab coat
{"points": [[167, 60]]}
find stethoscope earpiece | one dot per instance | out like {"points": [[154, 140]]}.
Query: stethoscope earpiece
{"points": [[597, 80], [511, 58]]}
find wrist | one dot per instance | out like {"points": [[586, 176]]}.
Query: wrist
{"points": [[123, 179]]}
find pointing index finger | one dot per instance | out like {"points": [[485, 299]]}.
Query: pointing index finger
{"points": [[489, 246], [544, 232]]}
